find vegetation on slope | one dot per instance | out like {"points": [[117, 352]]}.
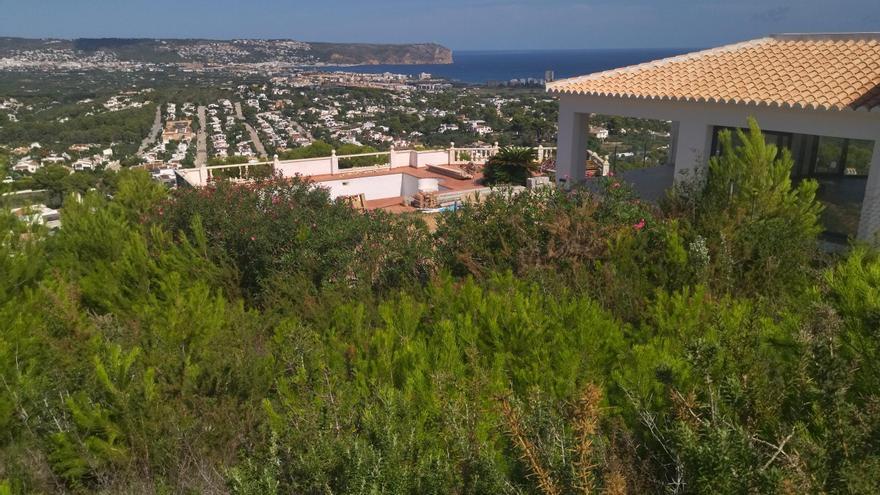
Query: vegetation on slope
{"points": [[262, 339]]}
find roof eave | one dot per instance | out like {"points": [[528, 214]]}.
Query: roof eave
{"points": [[714, 101]]}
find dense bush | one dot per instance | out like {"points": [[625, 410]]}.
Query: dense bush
{"points": [[261, 338], [287, 229], [511, 165]]}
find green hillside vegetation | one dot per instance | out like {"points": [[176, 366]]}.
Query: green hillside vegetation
{"points": [[261, 338], [125, 127], [372, 53]]}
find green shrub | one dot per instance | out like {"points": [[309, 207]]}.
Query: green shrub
{"points": [[288, 228], [261, 338], [510, 165], [761, 230]]}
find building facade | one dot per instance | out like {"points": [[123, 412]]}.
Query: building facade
{"points": [[817, 95]]}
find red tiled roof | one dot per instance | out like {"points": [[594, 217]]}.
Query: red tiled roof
{"points": [[821, 71]]}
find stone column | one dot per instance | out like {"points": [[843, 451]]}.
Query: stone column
{"points": [[673, 142], [692, 143], [451, 153], [869, 221], [334, 163], [571, 147]]}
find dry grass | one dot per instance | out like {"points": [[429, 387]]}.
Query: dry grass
{"points": [[586, 424], [528, 449], [589, 453]]}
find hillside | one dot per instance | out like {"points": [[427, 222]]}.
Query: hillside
{"points": [[260, 338], [220, 51], [347, 53]]}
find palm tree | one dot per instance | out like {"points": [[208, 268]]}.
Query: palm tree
{"points": [[511, 165]]}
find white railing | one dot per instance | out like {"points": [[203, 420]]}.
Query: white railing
{"points": [[546, 154], [330, 165], [476, 155], [481, 155]]}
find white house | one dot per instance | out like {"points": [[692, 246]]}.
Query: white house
{"points": [[816, 94], [601, 133], [54, 159], [26, 164], [84, 164]]}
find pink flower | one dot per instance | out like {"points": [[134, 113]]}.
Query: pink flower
{"points": [[610, 173], [640, 225], [615, 185], [253, 238]]}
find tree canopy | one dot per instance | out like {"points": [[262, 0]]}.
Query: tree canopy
{"points": [[261, 338]]}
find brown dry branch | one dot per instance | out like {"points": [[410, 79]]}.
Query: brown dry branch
{"points": [[586, 424], [528, 449], [615, 481]]}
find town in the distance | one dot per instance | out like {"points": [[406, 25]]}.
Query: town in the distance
{"points": [[74, 112]]}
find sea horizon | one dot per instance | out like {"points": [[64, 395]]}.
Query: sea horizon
{"points": [[483, 66]]}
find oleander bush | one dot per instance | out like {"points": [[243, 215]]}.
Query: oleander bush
{"points": [[282, 229], [262, 338]]}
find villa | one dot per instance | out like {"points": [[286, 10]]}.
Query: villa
{"points": [[816, 94], [177, 130], [403, 180], [26, 164]]}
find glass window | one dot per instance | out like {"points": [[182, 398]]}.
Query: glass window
{"points": [[829, 155], [779, 139], [858, 157], [716, 141]]}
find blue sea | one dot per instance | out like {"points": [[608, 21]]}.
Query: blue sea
{"points": [[480, 67]]}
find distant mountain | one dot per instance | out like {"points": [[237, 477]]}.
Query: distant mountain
{"points": [[221, 51], [374, 54]]}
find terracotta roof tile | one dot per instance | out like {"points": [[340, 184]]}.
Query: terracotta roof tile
{"points": [[823, 71]]}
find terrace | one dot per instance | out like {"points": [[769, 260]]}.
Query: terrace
{"points": [[395, 178]]}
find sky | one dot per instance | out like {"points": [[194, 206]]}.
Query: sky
{"points": [[458, 24]]}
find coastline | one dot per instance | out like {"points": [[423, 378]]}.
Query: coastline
{"points": [[489, 66]]}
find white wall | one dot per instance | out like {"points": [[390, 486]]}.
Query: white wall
{"points": [[696, 118], [851, 124], [869, 224], [399, 158], [695, 122], [305, 167], [571, 146], [409, 186], [377, 187], [426, 158]]}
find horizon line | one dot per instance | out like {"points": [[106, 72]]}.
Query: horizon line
{"points": [[468, 49]]}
